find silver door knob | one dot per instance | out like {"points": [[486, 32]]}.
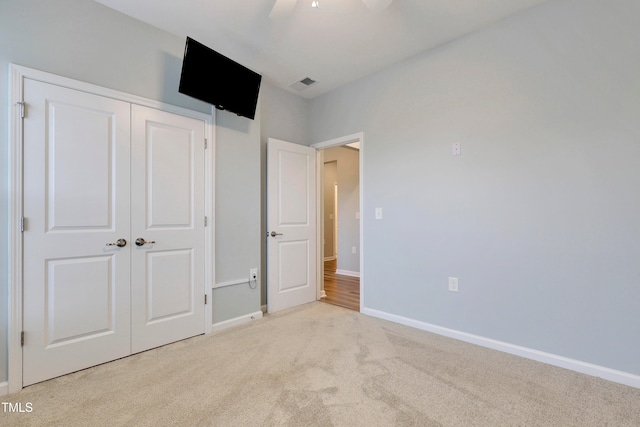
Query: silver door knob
{"points": [[121, 243], [141, 242], [274, 234]]}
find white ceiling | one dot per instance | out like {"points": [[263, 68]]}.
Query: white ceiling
{"points": [[335, 44]]}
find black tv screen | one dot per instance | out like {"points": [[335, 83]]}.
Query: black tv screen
{"points": [[212, 77]]}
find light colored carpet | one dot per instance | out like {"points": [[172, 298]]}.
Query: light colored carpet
{"points": [[322, 365]]}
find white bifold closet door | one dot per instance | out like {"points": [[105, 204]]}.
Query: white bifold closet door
{"points": [[99, 172]]}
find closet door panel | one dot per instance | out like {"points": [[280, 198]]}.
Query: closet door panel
{"points": [[76, 205]]}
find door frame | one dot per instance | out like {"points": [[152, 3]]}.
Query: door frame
{"points": [[337, 142], [335, 218], [18, 74]]}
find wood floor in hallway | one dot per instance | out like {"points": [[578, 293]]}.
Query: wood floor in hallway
{"points": [[341, 290]]}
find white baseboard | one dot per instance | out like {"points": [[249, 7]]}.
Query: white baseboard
{"points": [[620, 377], [348, 273], [4, 388], [240, 320]]}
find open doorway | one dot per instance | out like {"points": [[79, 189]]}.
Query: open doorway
{"points": [[340, 225]]}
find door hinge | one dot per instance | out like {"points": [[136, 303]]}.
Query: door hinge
{"points": [[205, 299], [205, 143], [21, 105], [22, 222], [22, 339], [205, 221]]}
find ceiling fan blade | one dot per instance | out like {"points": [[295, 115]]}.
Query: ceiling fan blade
{"points": [[282, 9], [377, 5]]}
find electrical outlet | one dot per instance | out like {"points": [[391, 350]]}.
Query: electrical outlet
{"points": [[253, 274], [353, 249], [453, 284]]}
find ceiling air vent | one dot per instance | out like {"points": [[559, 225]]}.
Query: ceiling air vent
{"points": [[302, 84]]}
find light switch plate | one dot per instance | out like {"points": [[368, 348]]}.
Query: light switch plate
{"points": [[455, 149], [378, 213]]}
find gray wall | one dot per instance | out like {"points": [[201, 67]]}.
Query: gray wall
{"points": [[83, 40], [538, 218], [237, 214], [348, 178]]}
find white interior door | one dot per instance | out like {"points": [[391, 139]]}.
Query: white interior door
{"points": [[76, 202], [99, 171], [291, 222], [167, 211]]}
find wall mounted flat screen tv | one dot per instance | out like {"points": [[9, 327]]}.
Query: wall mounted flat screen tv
{"points": [[212, 77]]}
